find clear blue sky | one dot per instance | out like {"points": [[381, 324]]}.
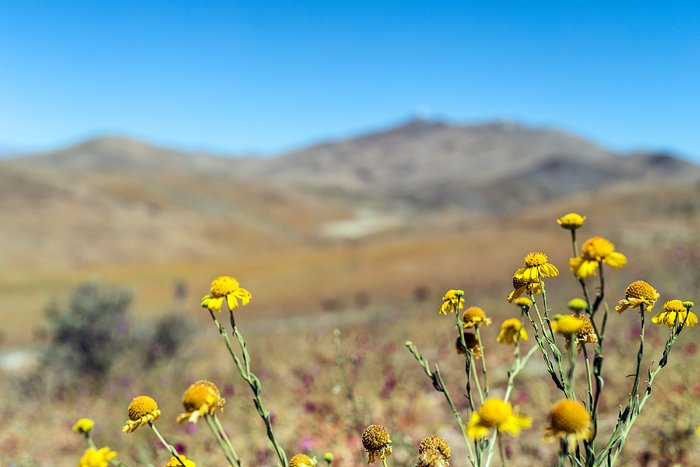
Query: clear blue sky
{"points": [[235, 76]]}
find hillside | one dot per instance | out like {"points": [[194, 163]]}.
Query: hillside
{"points": [[308, 231], [119, 201]]}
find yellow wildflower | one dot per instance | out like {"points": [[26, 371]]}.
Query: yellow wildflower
{"points": [[83, 426], [594, 251], [566, 324], [142, 410], [569, 419], [498, 414], [675, 313], [96, 457], [200, 399], [377, 441], [473, 317], [536, 266], [225, 287], [521, 286], [523, 302], [571, 221], [173, 462], [636, 294], [472, 342], [452, 300], [302, 460], [577, 305], [511, 331]]}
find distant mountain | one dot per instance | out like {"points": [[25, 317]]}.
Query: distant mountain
{"points": [[494, 166], [119, 154], [115, 200]]}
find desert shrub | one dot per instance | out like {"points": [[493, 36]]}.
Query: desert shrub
{"points": [[167, 337], [87, 335]]}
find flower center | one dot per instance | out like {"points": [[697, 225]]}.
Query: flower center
{"points": [[641, 290], [674, 306], [223, 285], [141, 406], [494, 412], [535, 259], [597, 248], [569, 416]]}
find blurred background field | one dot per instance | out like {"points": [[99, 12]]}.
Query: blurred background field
{"points": [[348, 164], [371, 260]]}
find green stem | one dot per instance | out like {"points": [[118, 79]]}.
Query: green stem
{"points": [[167, 446], [472, 364], [226, 439], [219, 440], [546, 325], [571, 344], [502, 451], [563, 452], [484, 372], [573, 242], [252, 380], [467, 362], [256, 387], [545, 355], [622, 430], [89, 441], [518, 364], [439, 386]]}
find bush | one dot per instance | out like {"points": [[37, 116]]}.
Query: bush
{"points": [[88, 335]]}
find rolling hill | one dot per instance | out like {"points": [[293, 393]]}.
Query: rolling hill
{"points": [[405, 208]]}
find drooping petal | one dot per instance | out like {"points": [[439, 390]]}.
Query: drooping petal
{"points": [[615, 259], [475, 429]]}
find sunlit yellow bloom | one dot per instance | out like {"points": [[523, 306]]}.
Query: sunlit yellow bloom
{"points": [[200, 399], [636, 294], [83, 426], [536, 266], [472, 342], [523, 302], [697, 430], [594, 251], [96, 457], [173, 462], [142, 410], [302, 460], [521, 286], [569, 419], [498, 414], [437, 443], [571, 221], [377, 441], [566, 324], [474, 317], [577, 305], [511, 331], [225, 287], [675, 312], [453, 300]]}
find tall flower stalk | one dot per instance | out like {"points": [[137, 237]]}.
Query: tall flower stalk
{"points": [[226, 288]]}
